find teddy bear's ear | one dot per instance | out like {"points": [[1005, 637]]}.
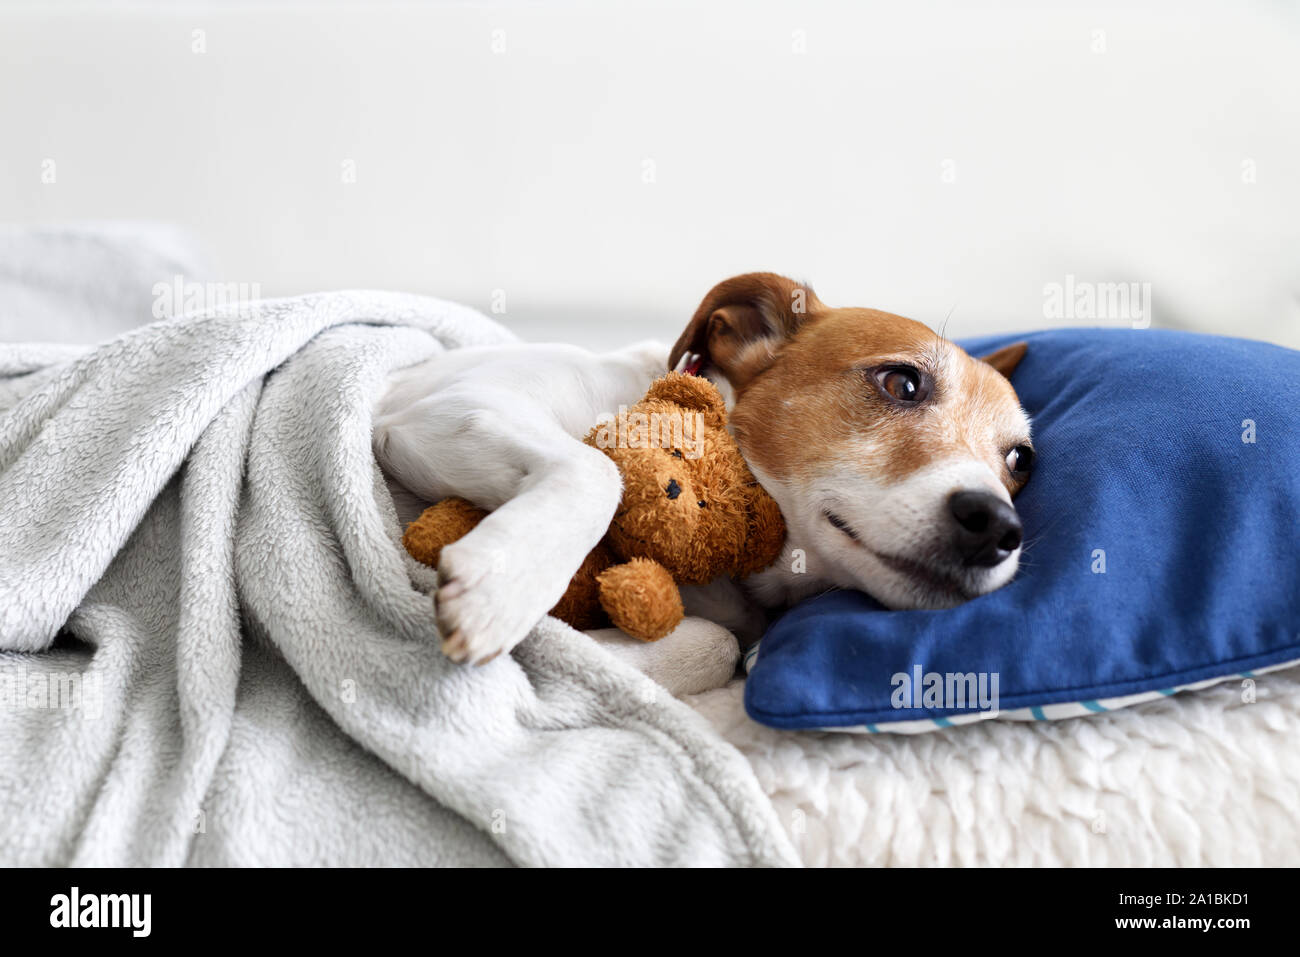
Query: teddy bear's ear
{"points": [[766, 533], [691, 392]]}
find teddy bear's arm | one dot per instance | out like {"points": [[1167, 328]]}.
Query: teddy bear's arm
{"points": [[641, 598], [440, 525]]}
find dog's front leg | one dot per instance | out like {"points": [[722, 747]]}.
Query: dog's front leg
{"points": [[505, 575]]}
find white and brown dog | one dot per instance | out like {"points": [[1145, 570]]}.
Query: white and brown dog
{"points": [[893, 454]]}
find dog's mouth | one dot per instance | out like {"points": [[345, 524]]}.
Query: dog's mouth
{"points": [[934, 579]]}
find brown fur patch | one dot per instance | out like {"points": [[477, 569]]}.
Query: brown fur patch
{"points": [[641, 598], [580, 603], [817, 403], [741, 319], [1007, 358], [695, 542], [448, 521]]}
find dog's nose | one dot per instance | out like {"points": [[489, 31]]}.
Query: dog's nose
{"points": [[987, 529]]}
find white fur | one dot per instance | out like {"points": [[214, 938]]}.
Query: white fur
{"points": [[907, 518]]}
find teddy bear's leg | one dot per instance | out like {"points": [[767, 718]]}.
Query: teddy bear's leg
{"points": [[440, 525], [641, 598], [696, 656]]}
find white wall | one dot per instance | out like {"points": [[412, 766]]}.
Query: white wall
{"points": [[524, 170]]}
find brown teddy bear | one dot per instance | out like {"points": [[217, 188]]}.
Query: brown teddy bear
{"points": [[691, 511]]}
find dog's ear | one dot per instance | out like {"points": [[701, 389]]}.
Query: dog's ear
{"points": [[1007, 358], [743, 321]]}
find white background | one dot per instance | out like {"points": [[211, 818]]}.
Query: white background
{"points": [[1103, 141]]}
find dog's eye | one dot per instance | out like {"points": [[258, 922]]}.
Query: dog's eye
{"points": [[903, 384], [677, 453], [701, 503], [1020, 459]]}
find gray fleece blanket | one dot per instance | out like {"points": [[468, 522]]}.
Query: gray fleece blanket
{"points": [[214, 651]]}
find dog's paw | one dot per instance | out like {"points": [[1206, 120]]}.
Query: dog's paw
{"points": [[483, 606]]}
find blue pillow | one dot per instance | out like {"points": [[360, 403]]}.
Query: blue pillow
{"points": [[1164, 522]]}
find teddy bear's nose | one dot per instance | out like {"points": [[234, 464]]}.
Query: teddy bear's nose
{"points": [[673, 488]]}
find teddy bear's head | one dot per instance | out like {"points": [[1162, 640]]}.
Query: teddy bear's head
{"points": [[689, 501]]}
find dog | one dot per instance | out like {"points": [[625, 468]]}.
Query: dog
{"points": [[893, 454]]}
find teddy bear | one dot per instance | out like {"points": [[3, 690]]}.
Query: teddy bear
{"points": [[691, 511]]}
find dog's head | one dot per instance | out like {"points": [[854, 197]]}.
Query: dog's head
{"points": [[893, 454]]}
